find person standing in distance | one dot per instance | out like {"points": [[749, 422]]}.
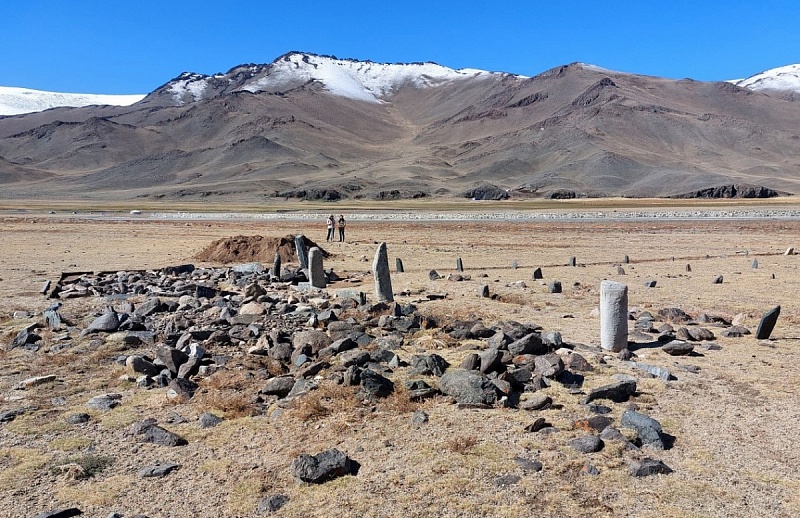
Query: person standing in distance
{"points": [[342, 224], [330, 223]]}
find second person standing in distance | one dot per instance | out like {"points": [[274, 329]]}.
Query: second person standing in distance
{"points": [[342, 224]]}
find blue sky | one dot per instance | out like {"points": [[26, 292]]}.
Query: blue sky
{"points": [[111, 46]]}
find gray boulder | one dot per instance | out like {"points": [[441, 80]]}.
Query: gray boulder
{"points": [[647, 429], [325, 466], [469, 388]]}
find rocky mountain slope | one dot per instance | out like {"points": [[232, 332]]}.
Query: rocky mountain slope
{"points": [[319, 127]]}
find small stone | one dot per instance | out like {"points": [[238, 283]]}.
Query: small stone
{"points": [[506, 481], [322, 467], [418, 418], [718, 279], [528, 465], [589, 469], [588, 444], [648, 466], [208, 420], [554, 287], [104, 401], [647, 429], [677, 348], [537, 274], [158, 470], [536, 402], [60, 513], [271, 503], [617, 392], [79, 418]]}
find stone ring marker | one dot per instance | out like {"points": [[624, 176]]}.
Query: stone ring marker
{"points": [[613, 316], [380, 269]]}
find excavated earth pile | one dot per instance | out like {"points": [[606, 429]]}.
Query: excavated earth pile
{"points": [[239, 249]]}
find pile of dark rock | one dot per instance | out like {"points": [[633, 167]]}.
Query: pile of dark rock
{"points": [[180, 324]]}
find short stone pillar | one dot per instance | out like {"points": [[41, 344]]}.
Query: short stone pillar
{"points": [[459, 265], [398, 265], [276, 266], [300, 246], [316, 273], [573, 261], [613, 316], [380, 269]]}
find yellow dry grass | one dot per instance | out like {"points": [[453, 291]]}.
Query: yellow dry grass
{"points": [[733, 453]]}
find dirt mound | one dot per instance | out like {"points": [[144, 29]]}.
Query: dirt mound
{"points": [[245, 249]]}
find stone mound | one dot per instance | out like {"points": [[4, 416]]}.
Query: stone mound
{"points": [[245, 249]]}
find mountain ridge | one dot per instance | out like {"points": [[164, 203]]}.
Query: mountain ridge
{"points": [[257, 132]]}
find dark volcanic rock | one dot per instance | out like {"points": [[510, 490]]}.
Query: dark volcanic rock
{"points": [[647, 429], [648, 466], [617, 392], [468, 388], [767, 323], [316, 469], [60, 513]]}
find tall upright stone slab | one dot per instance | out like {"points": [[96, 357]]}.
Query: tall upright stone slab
{"points": [[573, 261], [613, 316], [398, 265], [276, 266], [302, 254], [767, 323], [380, 269], [316, 273], [459, 265]]}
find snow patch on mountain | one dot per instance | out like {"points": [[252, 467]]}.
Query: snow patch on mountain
{"points": [[16, 101], [782, 78], [361, 80]]}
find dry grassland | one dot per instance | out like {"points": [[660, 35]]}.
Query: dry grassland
{"points": [[735, 420]]}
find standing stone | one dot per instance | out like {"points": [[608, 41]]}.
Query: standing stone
{"points": [[459, 265], [316, 273], [573, 261], [514, 265], [689, 268], [537, 274], [483, 290], [380, 269], [620, 270], [626, 260], [755, 264], [718, 279], [554, 287], [302, 255], [789, 251], [276, 266], [398, 265], [613, 316], [767, 323]]}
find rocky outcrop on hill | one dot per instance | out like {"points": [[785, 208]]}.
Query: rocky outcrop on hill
{"points": [[732, 191]]}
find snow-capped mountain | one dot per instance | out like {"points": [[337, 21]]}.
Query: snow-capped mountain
{"points": [[360, 80], [15, 101], [782, 78]]}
